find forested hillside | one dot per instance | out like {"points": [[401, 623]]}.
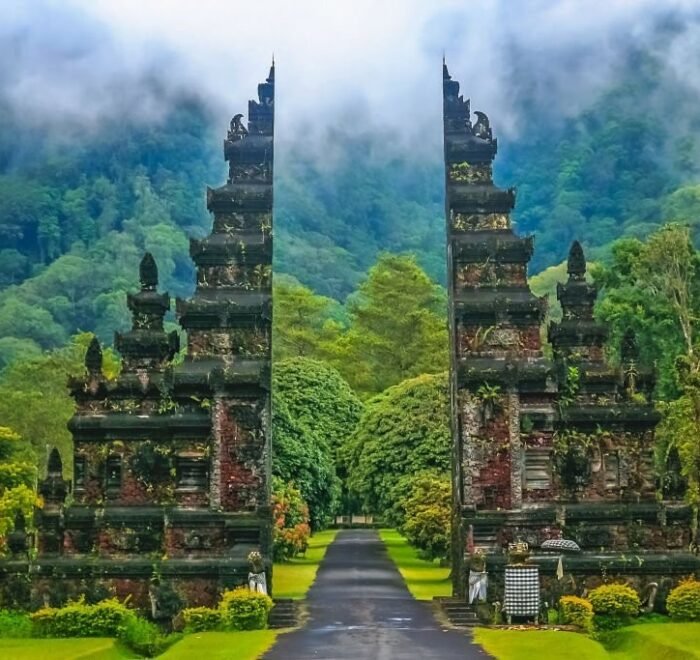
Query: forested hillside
{"points": [[78, 209]]}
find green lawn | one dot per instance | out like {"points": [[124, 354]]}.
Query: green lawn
{"points": [[293, 579], [649, 641], [526, 644], [208, 646], [424, 579], [94, 648], [222, 646]]}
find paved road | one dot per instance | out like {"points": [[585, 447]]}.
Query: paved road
{"points": [[360, 608]]}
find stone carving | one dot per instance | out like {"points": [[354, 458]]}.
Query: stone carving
{"points": [[148, 272], [482, 128], [237, 130], [93, 357]]}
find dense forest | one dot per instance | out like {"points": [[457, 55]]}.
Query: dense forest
{"points": [[77, 211]]}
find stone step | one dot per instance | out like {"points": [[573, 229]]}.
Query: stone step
{"points": [[284, 614]]}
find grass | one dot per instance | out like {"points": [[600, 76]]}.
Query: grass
{"points": [[212, 646], [519, 645], [424, 579], [93, 648], [223, 646], [649, 641], [293, 579]]}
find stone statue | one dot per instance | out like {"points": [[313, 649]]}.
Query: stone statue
{"points": [[482, 128], [237, 127]]}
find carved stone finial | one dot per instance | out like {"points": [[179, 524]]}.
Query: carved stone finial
{"points": [[576, 264], [148, 272], [236, 129], [55, 464], [93, 357], [482, 128], [629, 349]]}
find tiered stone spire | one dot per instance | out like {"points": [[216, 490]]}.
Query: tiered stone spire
{"points": [[487, 262], [147, 345], [578, 334], [229, 318]]}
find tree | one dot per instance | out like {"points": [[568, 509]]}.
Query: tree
{"points": [[34, 398], [398, 327], [427, 514], [299, 319], [403, 431], [317, 397], [300, 457], [652, 287], [17, 481]]}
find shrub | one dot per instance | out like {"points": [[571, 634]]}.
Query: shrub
{"points": [[144, 637], [428, 511], [576, 611], [105, 619], [291, 531], [684, 601], [615, 600], [244, 610], [15, 624], [201, 619]]}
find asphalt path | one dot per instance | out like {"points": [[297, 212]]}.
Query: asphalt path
{"points": [[360, 608]]}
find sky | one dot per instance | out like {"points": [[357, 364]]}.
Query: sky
{"points": [[353, 63]]}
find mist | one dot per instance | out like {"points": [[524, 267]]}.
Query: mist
{"points": [[350, 66]]}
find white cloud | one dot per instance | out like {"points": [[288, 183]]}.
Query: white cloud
{"points": [[355, 61]]}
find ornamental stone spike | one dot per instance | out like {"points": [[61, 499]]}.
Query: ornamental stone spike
{"points": [[576, 263], [93, 357], [148, 272], [629, 350]]}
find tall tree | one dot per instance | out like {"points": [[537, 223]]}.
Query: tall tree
{"points": [[303, 323], [398, 327], [403, 431]]}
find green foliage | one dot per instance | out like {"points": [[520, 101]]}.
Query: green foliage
{"points": [[397, 327], [427, 512], [145, 637], [303, 322], [290, 516], [201, 619], [652, 288], [17, 481], [614, 605], [15, 624], [242, 609], [318, 398], [105, 619], [576, 611], [403, 431], [683, 602], [34, 398], [302, 458]]}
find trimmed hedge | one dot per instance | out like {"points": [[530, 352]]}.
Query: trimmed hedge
{"points": [[683, 602], [201, 619], [615, 600], [576, 611], [105, 619], [242, 609]]}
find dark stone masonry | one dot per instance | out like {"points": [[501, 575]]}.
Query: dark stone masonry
{"points": [[171, 487], [544, 447]]}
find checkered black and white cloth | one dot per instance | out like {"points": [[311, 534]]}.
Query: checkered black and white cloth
{"points": [[522, 596]]}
